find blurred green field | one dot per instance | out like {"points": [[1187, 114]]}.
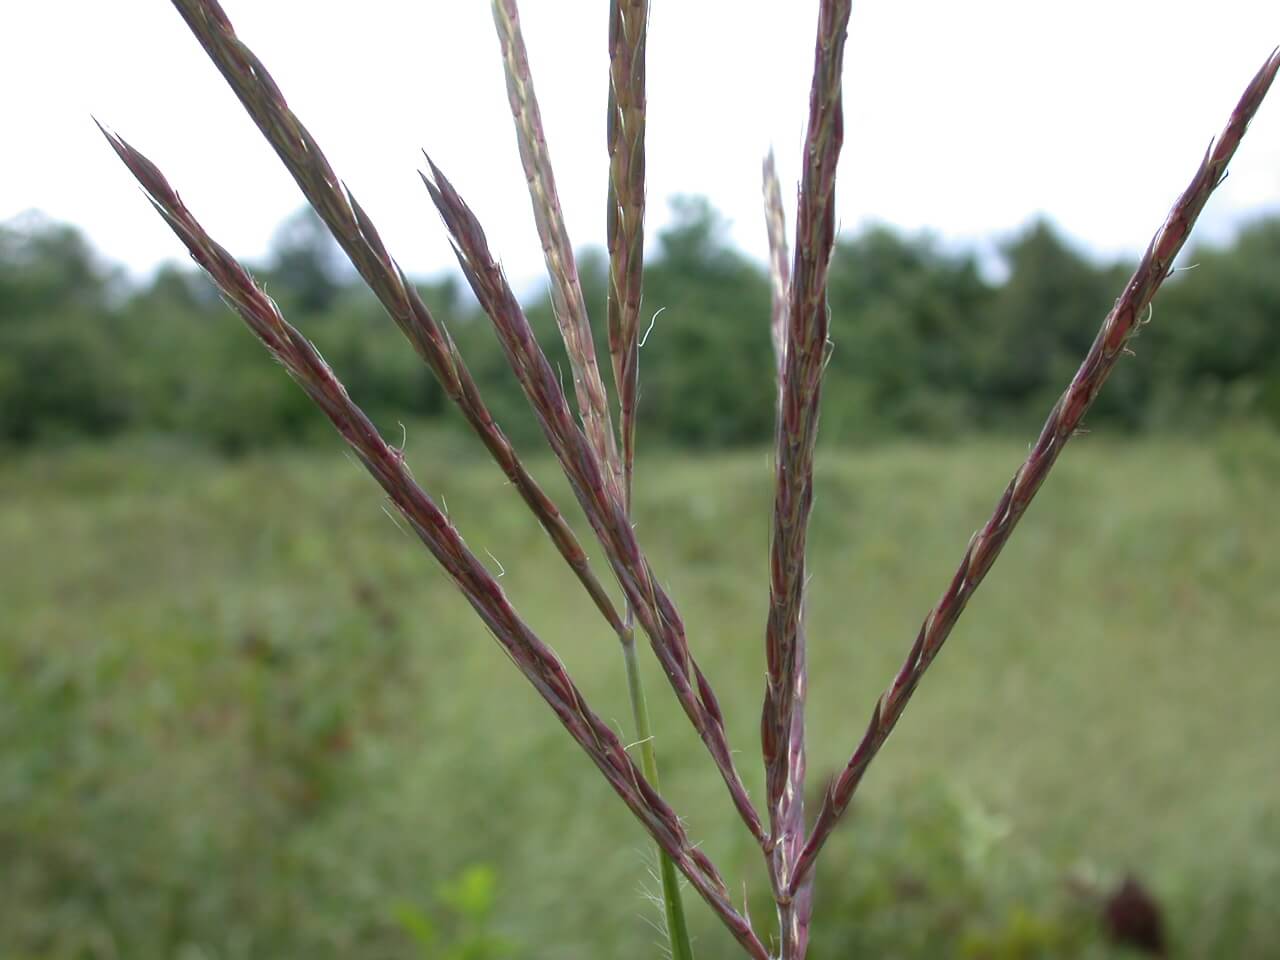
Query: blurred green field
{"points": [[242, 715]]}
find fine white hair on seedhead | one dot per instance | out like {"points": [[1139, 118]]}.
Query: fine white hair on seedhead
{"points": [[502, 571], [652, 321], [392, 517]]}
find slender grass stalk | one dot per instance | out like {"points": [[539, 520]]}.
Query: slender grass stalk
{"points": [[530, 655], [357, 236], [800, 391], [1128, 314], [625, 129], [654, 610], [678, 939], [562, 266]]}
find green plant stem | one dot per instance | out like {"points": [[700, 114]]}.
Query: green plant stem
{"points": [[677, 927]]}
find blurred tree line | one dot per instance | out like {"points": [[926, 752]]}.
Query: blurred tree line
{"points": [[924, 343]]}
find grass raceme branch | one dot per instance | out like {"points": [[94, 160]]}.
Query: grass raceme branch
{"points": [[796, 433], [1120, 324], [532, 657], [356, 234], [562, 266], [653, 608]]}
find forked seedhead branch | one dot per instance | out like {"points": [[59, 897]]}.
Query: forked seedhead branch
{"points": [[654, 610], [1120, 324], [355, 233], [532, 657], [599, 464], [796, 432]]}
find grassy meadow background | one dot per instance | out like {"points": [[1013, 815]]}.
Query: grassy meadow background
{"points": [[242, 714]]}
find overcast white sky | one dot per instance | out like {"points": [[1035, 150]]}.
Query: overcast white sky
{"points": [[964, 118]]}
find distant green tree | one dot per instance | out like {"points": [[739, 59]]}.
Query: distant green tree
{"points": [[707, 361], [47, 266], [921, 342], [306, 266], [906, 322], [58, 374], [1220, 332], [1041, 321], [358, 338]]}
